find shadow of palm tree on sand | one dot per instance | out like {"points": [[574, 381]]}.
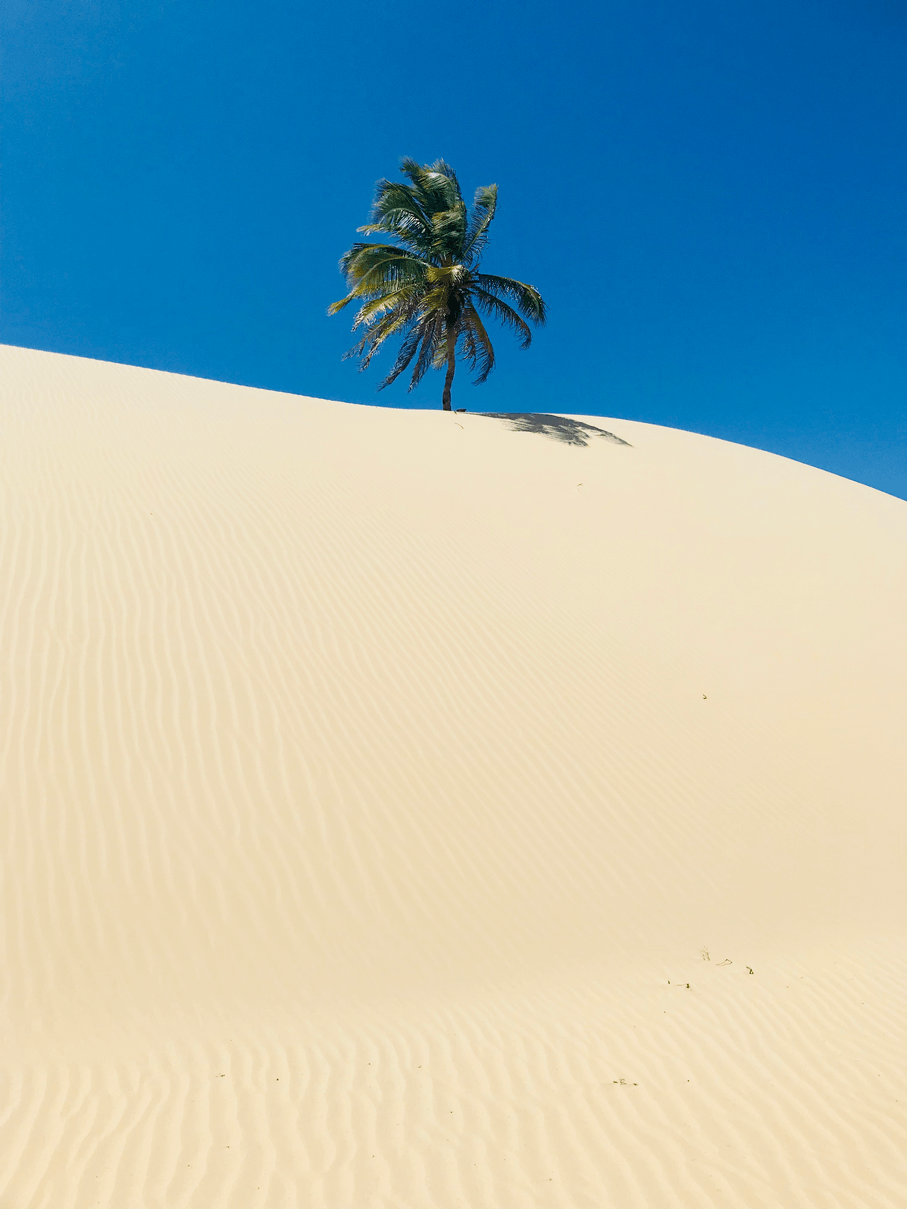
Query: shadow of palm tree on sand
{"points": [[558, 428]]}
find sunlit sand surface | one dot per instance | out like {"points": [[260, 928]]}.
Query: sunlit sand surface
{"points": [[405, 810]]}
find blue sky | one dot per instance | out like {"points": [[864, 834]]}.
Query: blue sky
{"points": [[710, 196]]}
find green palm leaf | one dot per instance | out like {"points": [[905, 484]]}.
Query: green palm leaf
{"points": [[506, 314]]}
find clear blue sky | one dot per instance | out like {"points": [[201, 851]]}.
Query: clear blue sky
{"points": [[710, 196]]}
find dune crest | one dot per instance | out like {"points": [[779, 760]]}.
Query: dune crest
{"points": [[402, 811]]}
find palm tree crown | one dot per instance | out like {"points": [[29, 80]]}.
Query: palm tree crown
{"points": [[426, 287]]}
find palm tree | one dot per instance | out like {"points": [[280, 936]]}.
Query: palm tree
{"points": [[427, 287]]}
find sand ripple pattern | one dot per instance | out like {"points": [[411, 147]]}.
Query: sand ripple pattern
{"points": [[374, 784]]}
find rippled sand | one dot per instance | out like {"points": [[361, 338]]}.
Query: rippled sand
{"points": [[404, 810]]}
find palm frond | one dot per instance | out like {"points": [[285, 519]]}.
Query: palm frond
{"points": [[433, 341], [526, 297], [505, 313], [483, 208], [481, 348], [435, 185], [449, 231], [363, 258], [403, 301], [373, 337], [438, 192], [405, 229], [468, 348], [373, 269], [402, 323], [393, 198], [396, 211], [405, 355]]}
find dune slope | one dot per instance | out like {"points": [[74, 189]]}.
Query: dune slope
{"points": [[404, 811]]}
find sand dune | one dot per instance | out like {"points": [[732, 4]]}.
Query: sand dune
{"points": [[375, 782]]}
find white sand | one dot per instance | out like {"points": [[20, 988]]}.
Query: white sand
{"points": [[372, 780]]}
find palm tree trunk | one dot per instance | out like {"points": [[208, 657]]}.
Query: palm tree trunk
{"points": [[451, 365]]}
